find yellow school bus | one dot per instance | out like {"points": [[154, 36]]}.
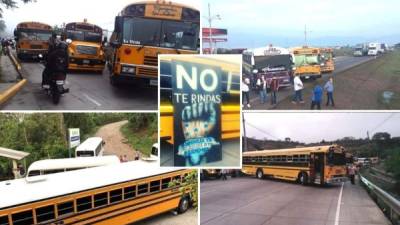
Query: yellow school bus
{"points": [[319, 165], [116, 194], [86, 50], [146, 29], [32, 39], [230, 109], [307, 62], [328, 64]]}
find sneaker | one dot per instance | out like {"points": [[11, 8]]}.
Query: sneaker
{"points": [[294, 102], [248, 106], [302, 102], [46, 86]]}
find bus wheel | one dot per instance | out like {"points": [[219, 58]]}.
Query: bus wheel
{"points": [[303, 178], [260, 174], [183, 204]]}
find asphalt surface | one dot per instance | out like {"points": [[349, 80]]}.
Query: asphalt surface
{"points": [[342, 63], [88, 91], [171, 218], [250, 201], [230, 155]]}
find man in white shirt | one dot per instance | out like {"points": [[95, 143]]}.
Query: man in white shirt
{"points": [[298, 87], [245, 91]]}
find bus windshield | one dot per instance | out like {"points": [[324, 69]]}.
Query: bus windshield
{"points": [[337, 159], [327, 56], [34, 35], [84, 153], [160, 33], [87, 36], [275, 61], [301, 60]]}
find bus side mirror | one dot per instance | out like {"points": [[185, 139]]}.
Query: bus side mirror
{"points": [[115, 44], [15, 33], [119, 22]]}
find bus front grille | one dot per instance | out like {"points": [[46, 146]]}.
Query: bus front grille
{"points": [[148, 71], [151, 61], [86, 50]]}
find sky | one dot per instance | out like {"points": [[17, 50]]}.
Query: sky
{"points": [[314, 127], [329, 22], [52, 12]]}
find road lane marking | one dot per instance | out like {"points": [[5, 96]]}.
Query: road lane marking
{"points": [[92, 100], [338, 205]]}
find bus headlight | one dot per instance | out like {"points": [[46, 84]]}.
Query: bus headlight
{"points": [[322, 64], [128, 69]]}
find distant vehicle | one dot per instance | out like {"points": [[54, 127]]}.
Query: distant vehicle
{"points": [[361, 50], [32, 39], [319, 164], [91, 147], [328, 63], [153, 153], [374, 49], [363, 162], [307, 62], [269, 62], [51, 166], [384, 48], [217, 173]]}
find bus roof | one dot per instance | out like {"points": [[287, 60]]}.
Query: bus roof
{"points": [[89, 144], [53, 164], [305, 50], [303, 150], [59, 184], [269, 50], [126, 11], [34, 25]]}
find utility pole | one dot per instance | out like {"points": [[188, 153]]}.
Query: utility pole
{"points": [[305, 35], [244, 133], [210, 18]]}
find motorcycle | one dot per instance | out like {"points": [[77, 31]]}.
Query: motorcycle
{"points": [[56, 81]]}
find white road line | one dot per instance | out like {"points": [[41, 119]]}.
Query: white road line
{"points": [[92, 100], [338, 206]]}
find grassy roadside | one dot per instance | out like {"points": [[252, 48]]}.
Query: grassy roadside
{"points": [[142, 140]]}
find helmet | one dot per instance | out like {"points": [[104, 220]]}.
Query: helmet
{"points": [[61, 45]]}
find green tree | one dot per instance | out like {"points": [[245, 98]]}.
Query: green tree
{"points": [[189, 186], [10, 4]]}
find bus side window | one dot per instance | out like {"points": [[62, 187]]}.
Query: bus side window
{"points": [[65, 208], [115, 195], [22, 218], [84, 203], [165, 183], [4, 220], [295, 158], [155, 186], [34, 173], [45, 213], [100, 199], [129, 192], [143, 189], [178, 180]]}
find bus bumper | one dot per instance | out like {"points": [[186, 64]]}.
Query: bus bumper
{"points": [[131, 78], [337, 180], [86, 64], [30, 54], [327, 69], [311, 75]]}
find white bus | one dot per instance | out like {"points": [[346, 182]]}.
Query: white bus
{"points": [[39, 169], [91, 147]]}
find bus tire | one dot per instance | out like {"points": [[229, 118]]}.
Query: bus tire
{"points": [[303, 178], [183, 204], [260, 174]]}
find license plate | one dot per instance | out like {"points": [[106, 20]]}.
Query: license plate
{"points": [[60, 82], [85, 61], [153, 82], [285, 80], [307, 77]]}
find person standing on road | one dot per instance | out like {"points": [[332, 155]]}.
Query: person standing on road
{"points": [[298, 87], [352, 173], [274, 89], [262, 88], [329, 91], [223, 174], [245, 91], [316, 96], [137, 155]]}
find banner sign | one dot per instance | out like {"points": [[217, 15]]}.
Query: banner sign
{"points": [[74, 138], [214, 32], [197, 113]]}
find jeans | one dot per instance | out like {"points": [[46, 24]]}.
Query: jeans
{"points": [[298, 96], [246, 96], [315, 103], [330, 99], [273, 98], [263, 96]]}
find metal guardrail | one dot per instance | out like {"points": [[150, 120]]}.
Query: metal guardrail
{"points": [[391, 206]]}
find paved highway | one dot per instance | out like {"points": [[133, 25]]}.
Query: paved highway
{"points": [[88, 91], [341, 64], [250, 201]]}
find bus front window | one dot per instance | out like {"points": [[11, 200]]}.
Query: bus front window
{"points": [[301, 60], [34, 35], [84, 36], [336, 159], [179, 35], [140, 31]]}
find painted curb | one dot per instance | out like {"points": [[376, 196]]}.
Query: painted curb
{"points": [[12, 91]]}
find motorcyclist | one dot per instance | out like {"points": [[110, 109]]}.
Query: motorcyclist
{"points": [[57, 60]]}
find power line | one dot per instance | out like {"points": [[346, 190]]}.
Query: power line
{"points": [[262, 131], [383, 122]]}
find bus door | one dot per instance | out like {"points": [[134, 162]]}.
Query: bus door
{"points": [[319, 167]]}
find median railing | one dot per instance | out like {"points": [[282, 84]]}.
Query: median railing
{"points": [[389, 205]]}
